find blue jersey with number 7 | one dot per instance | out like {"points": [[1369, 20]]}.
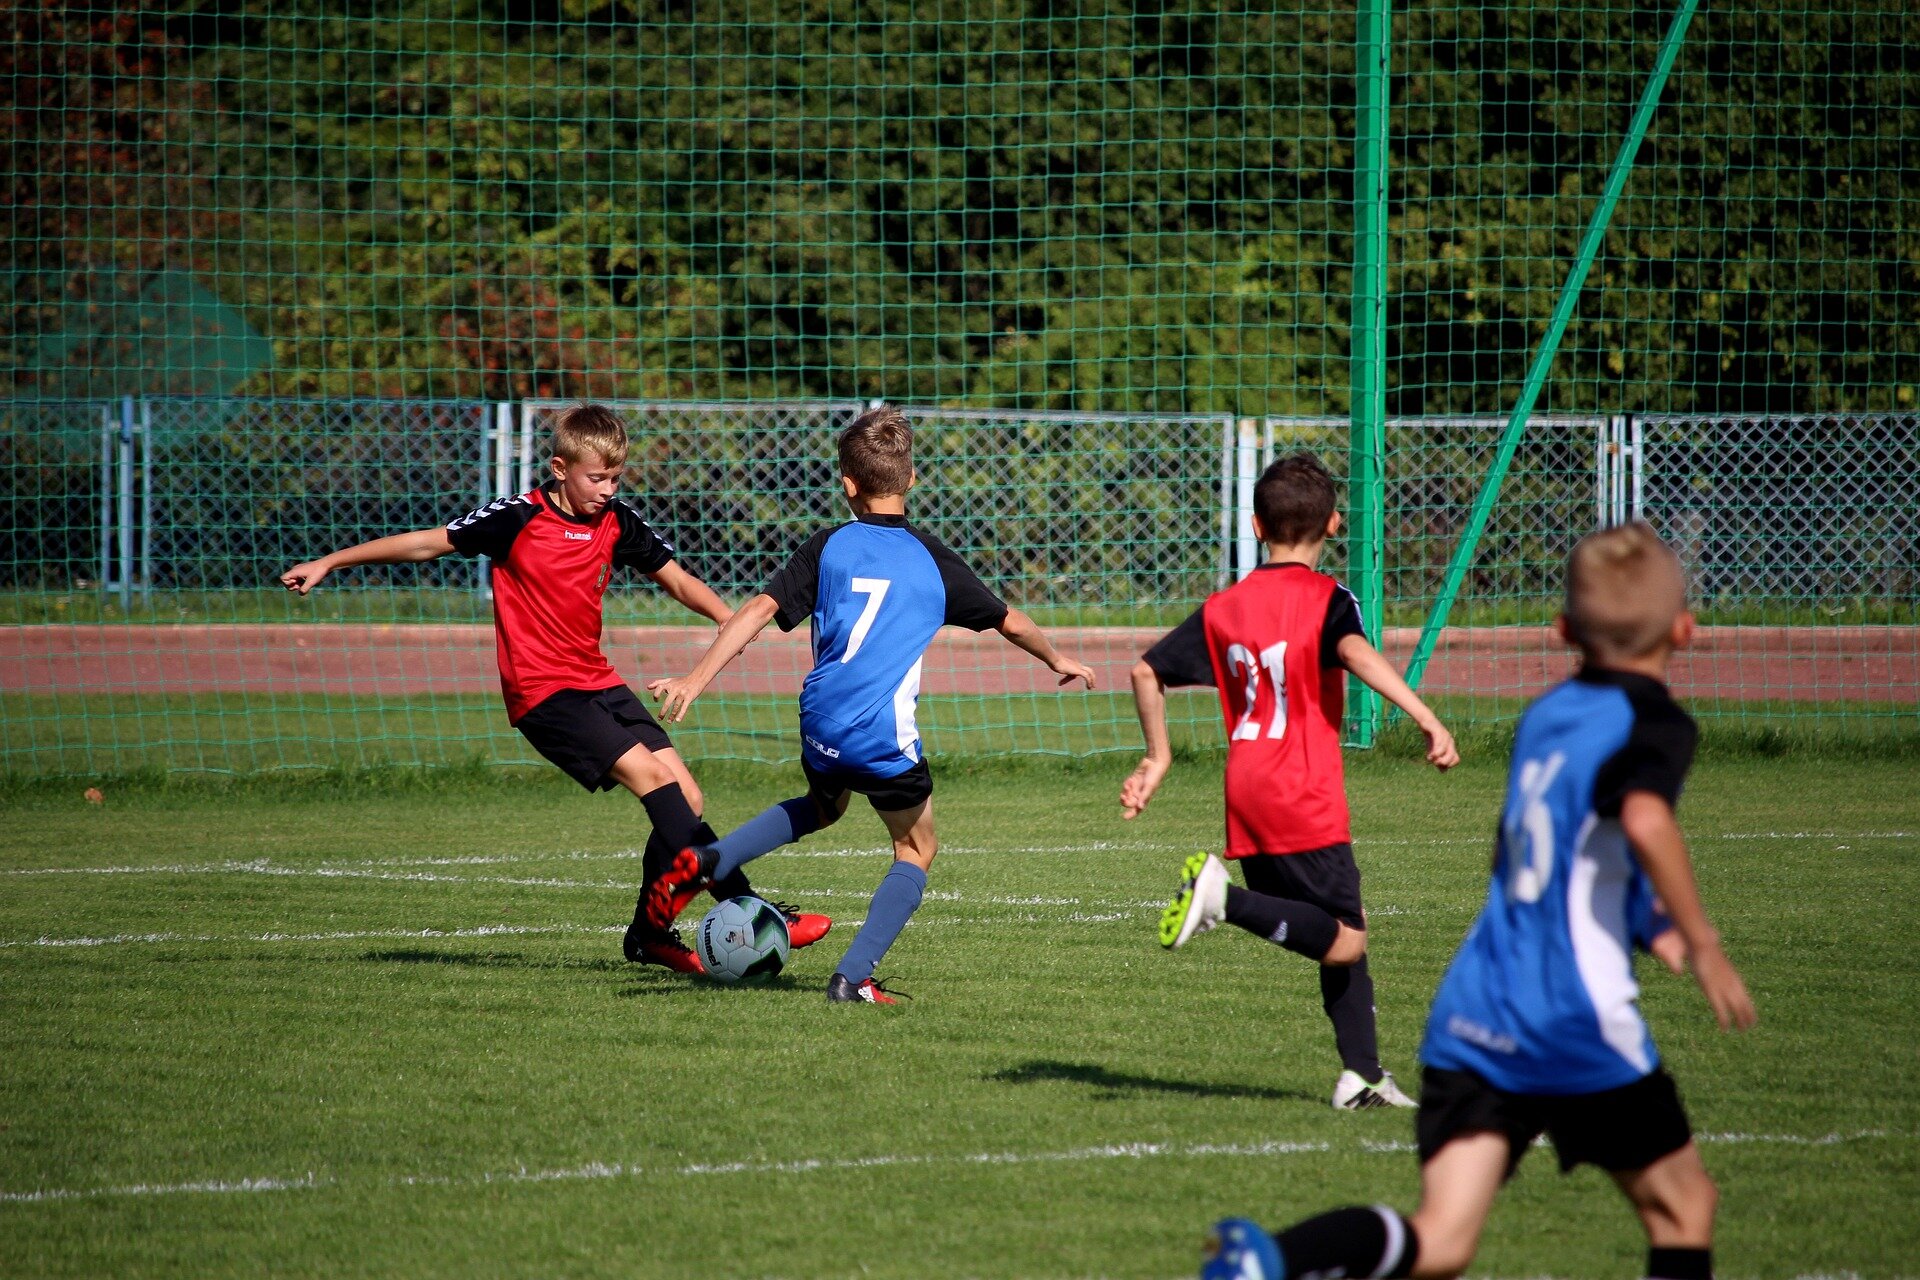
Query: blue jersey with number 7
{"points": [[1541, 997], [878, 590]]}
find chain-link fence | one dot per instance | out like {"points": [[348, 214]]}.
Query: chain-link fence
{"points": [[143, 538], [160, 593]]}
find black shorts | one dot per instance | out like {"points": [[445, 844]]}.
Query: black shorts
{"points": [[1617, 1129], [907, 790], [1328, 878], [585, 731]]}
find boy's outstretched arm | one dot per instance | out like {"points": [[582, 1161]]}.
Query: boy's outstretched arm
{"points": [[1654, 833], [748, 621], [691, 592], [399, 548], [1023, 633], [1150, 700], [1359, 656]]}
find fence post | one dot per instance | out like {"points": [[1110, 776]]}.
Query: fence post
{"points": [[146, 502], [1227, 433], [1246, 470], [106, 498], [1590, 241], [1366, 449], [126, 504]]}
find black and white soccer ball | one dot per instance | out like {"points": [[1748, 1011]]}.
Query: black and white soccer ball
{"points": [[742, 939]]}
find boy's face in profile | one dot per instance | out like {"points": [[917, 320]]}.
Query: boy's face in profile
{"points": [[588, 486]]}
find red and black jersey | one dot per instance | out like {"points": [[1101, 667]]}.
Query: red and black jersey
{"points": [[1270, 645], [550, 571]]}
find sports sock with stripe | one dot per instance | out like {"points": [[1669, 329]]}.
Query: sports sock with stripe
{"points": [[894, 902], [1300, 927], [782, 824], [1373, 1241]]}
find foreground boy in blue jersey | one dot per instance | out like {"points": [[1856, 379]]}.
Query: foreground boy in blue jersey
{"points": [[878, 590], [1536, 1027]]}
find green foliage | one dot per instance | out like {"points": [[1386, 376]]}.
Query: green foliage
{"points": [[1108, 205]]}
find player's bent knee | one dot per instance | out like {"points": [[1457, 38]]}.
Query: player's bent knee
{"points": [[640, 771], [1349, 947]]}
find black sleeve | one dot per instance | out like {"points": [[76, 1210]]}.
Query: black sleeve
{"points": [[490, 531], [795, 584], [1656, 757], [639, 546], [1343, 620], [970, 602], [1180, 657]]}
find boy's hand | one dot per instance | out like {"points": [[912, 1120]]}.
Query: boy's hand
{"points": [[1725, 992], [303, 578], [1441, 753], [1668, 948], [1140, 785], [675, 696], [1069, 670]]}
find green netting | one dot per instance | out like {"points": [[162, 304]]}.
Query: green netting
{"points": [[282, 277]]}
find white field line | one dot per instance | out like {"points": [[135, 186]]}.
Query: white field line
{"points": [[355, 867], [479, 931], [495, 931], [600, 1170]]}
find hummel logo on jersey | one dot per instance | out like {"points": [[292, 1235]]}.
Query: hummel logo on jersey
{"points": [[825, 750], [577, 537]]}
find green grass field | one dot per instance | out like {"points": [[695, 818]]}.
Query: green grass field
{"points": [[321, 1028]]}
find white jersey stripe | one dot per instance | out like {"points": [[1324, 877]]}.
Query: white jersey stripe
{"points": [[1596, 909]]}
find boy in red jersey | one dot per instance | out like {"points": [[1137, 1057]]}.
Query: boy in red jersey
{"points": [[553, 550], [1278, 646]]}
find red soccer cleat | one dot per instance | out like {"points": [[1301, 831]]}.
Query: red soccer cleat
{"points": [[690, 871], [804, 928], [644, 945]]}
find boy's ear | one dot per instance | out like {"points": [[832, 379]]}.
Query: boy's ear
{"points": [[1259, 527], [1333, 524], [1563, 628], [559, 467], [848, 487], [1682, 633], [913, 479]]}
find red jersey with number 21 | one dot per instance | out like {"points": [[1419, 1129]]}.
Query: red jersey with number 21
{"points": [[1286, 784]]}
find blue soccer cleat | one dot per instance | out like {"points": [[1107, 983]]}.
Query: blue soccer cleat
{"points": [[1241, 1250]]}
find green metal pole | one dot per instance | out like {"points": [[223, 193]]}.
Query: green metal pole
{"points": [[1469, 546], [1366, 443]]}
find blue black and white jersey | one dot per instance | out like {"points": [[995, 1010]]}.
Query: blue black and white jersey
{"points": [[878, 590], [1541, 998]]}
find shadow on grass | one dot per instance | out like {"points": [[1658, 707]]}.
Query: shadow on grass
{"points": [[1108, 1083]]}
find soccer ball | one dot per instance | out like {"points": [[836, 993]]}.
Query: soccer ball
{"points": [[742, 938]]}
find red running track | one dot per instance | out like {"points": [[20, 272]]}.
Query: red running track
{"points": [[1803, 664]]}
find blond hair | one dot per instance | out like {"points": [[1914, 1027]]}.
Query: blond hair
{"points": [[1624, 589], [876, 452], [586, 430]]}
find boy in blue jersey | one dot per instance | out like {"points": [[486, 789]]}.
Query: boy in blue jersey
{"points": [[1536, 1027], [878, 590]]}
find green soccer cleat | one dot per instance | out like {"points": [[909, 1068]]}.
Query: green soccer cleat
{"points": [[1201, 903]]}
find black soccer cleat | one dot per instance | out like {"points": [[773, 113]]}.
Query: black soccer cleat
{"points": [[843, 990]]}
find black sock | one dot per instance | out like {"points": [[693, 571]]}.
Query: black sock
{"points": [[671, 815], [1298, 926], [1680, 1264], [1346, 993], [1350, 1242]]}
